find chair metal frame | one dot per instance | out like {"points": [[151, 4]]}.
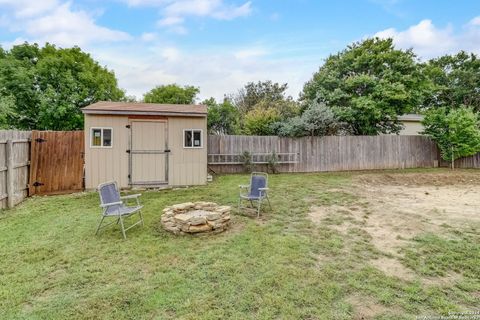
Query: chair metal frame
{"points": [[120, 205], [263, 193]]}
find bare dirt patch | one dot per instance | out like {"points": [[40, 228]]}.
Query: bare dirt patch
{"points": [[433, 178], [391, 267], [365, 308], [395, 207]]}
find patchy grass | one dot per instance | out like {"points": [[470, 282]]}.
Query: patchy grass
{"points": [[281, 266]]}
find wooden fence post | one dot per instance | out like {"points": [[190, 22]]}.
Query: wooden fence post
{"points": [[10, 174]]}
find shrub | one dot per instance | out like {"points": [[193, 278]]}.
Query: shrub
{"points": [[456, 132]]}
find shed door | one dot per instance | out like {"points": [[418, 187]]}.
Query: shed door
{"points": [[148, 153]]}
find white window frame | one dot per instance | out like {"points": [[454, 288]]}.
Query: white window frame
{"points": [[101, 146], [193, 147]]}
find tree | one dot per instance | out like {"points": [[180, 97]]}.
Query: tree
{"points": [[222, 117], [261, 101], [253, 93], [368, 85], [317, 120], [50, 85], [7, 105], [456, 80], [456, 131], [260, 121], [173, 94]]}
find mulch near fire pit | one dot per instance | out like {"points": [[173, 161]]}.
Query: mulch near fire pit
{"points": [[196, 217]]}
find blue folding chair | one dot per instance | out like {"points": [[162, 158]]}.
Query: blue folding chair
{"points": [[113, 206], [257, 190]]}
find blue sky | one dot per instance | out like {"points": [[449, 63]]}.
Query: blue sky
{"points": [[219, 45]]}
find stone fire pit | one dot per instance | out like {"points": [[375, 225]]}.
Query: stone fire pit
{"points": [[196, 217]]}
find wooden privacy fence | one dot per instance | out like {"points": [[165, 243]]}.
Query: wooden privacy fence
{"points": [[471, 162], [14, 162], [313, 154], [39, 162], [56, 162]]}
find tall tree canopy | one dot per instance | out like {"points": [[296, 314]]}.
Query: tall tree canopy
{"points": [[45, 87], [172, 93], [222, 117], [456, 80], [368, 85], [261, 105], [262, 91]]}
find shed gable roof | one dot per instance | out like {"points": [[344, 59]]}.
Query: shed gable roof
{"points": [[137, 108]]}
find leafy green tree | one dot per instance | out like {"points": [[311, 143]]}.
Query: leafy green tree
{"points": [[50, 85], [7, 105], [456, 131], [317, 120], [260, 121], [258, 102], [253, 93], [456, 80], [173, 94], [222, 117], [368, 85]]}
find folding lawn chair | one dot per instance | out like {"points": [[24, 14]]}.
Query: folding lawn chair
{"points": [[113, 206], [256, 191]]}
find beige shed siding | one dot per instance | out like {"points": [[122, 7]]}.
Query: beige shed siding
{"points": [[187, 166], [107, 164], [412, 128]]}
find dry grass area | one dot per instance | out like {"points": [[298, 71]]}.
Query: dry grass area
{"points": [[392, 211]]}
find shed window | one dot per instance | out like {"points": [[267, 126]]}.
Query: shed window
{"points": [[192, 138], [101, 137]]}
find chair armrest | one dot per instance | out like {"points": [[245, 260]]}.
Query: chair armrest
{"points": [[103, 205], [131, 196], [244, 186], [263, 189]]}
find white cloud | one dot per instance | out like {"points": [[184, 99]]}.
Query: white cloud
{"points": [[475, 21], [58, 23], [174, 12], [170, 21], [207, 8], [29, 8], [148, 36], [250, 53], [429, 41], [171, 54], [217, 71]]}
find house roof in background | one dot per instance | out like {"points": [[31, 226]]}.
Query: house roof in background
{"points": [[410, 117], [137, 108]]}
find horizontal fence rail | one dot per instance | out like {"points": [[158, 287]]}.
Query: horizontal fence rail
{"points": [[315, 154], [256, 158]]}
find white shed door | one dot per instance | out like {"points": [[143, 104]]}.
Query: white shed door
{"points": [[148, 153]]}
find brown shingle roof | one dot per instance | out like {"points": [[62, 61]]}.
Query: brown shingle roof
{"points": [[137, 108]]}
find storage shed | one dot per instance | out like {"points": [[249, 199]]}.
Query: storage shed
{"points": [[145, 144]]}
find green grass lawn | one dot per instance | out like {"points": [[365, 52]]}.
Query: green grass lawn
{"points": [[281, 266]]}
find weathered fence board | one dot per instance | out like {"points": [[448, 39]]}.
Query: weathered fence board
{"points": [[472, 162], [14, 166], [332, 153], [57, 162]]}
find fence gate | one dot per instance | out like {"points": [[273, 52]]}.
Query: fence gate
{"points": [[56, 162]]}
